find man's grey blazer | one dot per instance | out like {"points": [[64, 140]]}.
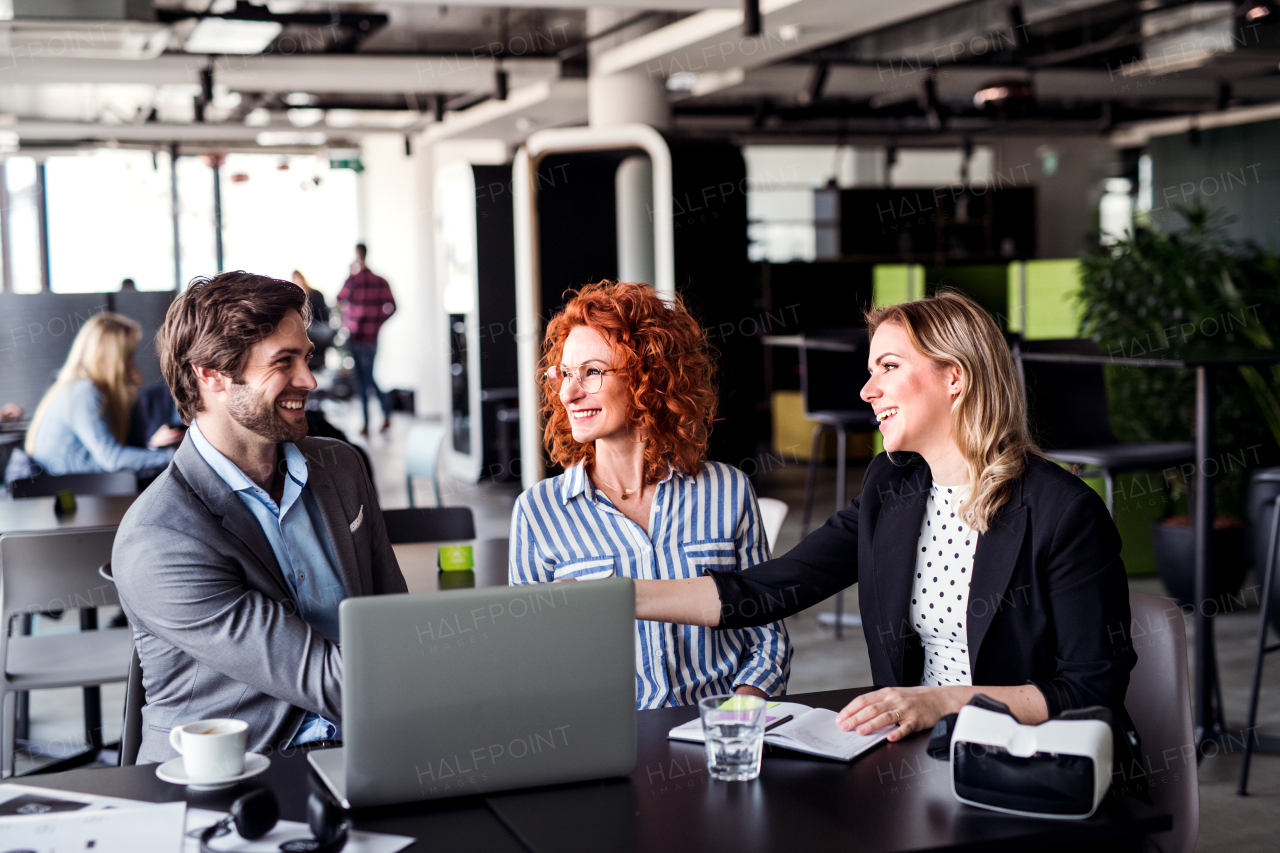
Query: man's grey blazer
{"points": [[217, 628]]}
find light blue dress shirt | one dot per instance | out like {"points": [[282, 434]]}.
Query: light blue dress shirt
{"points": [[297, 535]]}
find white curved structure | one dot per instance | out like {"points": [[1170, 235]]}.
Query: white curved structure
{"points": [[528, 266]]}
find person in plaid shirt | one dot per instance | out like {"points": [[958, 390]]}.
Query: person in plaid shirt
{"points": [[366, 303]]}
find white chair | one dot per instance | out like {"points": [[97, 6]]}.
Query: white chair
{"points": [[772, 513], [422, 457], [1159, 703], [55, 571]]}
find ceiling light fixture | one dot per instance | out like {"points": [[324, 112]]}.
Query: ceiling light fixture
{"points": [[291, 137], [989, 95], [231, 36], [304, 116], [682, 81]]}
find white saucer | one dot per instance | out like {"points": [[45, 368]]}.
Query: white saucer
{"points": [[175, 772]]}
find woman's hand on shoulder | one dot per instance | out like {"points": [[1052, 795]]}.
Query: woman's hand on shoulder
{"points": [[914, 709]]}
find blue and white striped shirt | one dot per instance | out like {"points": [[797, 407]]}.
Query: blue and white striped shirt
{"points": [[565, 528]]}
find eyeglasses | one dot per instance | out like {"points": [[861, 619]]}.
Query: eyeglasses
{"points": [[589, 379]]}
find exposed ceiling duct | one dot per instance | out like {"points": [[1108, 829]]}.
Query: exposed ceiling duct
{"points": [[33, 30]]}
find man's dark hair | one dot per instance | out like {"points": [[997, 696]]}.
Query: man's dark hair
{"points": [[215, 322], [361, 251]]}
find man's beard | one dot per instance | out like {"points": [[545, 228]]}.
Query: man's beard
{"points": [[260, 416]]}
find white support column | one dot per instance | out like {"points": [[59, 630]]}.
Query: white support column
{"points": [[627, 97], [633, 189]]}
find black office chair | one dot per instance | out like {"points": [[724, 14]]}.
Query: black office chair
{"points": [[48, 485], [1264, 516], [1068, 411], [831, 379], [429, 524], [134, 698]]}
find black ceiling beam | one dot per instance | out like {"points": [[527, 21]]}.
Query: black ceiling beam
{"points": [[751, 18]]}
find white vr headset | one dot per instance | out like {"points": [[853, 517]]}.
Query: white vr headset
{"points": [[1057, 769]]}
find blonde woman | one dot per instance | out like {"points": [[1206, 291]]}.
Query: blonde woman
{"points": [[81, 422], [981, 566]]}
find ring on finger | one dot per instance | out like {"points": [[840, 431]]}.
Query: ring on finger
{"points": [[899, 715]]}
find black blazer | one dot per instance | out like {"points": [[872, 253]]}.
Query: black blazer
{"points": [[1048, 601]]}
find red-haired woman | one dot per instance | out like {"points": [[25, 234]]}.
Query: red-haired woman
{"points": [[629, 401]]}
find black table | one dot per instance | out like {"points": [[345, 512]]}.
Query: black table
{"points": [[1205, 361], [894, 798], [36, 515], [421, 573]]}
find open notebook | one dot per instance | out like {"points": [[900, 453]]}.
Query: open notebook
{"points": [[810, 730]]}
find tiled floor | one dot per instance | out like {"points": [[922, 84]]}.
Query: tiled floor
{"points": [[1227, 822]]}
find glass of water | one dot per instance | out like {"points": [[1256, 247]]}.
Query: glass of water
{"points": [[734, 730]]}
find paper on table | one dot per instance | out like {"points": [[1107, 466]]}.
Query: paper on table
{"points": [[285, 830], [817, 733], [29, 799], [813, 730], [692, 730], [150, 827], [15, 798]]}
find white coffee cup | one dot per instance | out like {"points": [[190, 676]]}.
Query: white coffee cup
{"points": [[211, 749]]}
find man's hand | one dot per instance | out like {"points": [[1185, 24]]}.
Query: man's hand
{"points": [[748, 690]]}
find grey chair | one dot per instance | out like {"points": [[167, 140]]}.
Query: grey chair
{"points": [[103, 483], [1067, 404], [422, 457], [772, 513], [1159, 703], [56, 571], [429, 524]]}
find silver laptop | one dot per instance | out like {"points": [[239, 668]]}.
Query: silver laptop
{"points": [[480, 690]]}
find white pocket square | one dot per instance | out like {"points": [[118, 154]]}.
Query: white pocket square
{"points": [[355, 525]]}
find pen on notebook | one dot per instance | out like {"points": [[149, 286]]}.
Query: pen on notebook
{"points": [[777, 723]]}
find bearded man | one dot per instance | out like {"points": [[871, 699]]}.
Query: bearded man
{"points": [[232, 564]]}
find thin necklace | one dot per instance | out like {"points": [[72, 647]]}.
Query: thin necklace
{"points": [[626, 493]]}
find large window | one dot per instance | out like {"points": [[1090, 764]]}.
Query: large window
{"points": [[195, 218], [24, 224], [281, 213], [109, 219], [788, 223]]}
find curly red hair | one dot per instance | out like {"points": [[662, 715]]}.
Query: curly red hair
{"points": [[661, 348]]}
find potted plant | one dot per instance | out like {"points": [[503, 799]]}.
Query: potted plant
{"points": [[1155, 292]]}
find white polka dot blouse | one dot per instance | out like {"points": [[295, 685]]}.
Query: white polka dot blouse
{"points": [[940, 589]]}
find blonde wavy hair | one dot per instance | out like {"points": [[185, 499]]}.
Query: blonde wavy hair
{"points": [[989, 418], [100, 353]]}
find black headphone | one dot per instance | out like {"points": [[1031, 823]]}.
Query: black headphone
{"points": [[255, 813]]}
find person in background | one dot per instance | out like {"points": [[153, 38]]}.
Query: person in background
{"points": [[128, 284], [629, 399], [82, 422], [154, 408], [319, 331], [366, 303]]}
